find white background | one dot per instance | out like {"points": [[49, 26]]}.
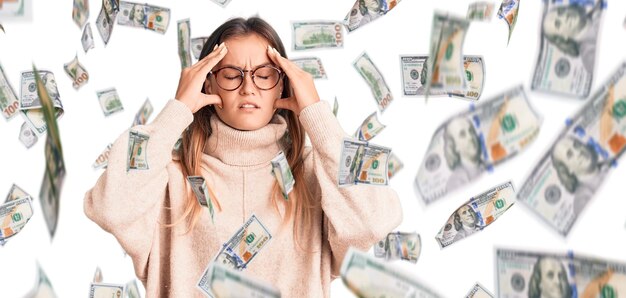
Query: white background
{"points": [[142, 63]]}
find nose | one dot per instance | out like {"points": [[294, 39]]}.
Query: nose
{"points": [[247, 86]]}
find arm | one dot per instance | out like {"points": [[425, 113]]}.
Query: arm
{"points": [[358, 215], [127, 204]]}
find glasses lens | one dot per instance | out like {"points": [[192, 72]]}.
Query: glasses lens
{"points": [[229, 78], [266, 77]]}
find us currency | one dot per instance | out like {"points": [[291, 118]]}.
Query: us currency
{"points": [[472, 142], [109, 101], [567, 55], [143, 114], [13, 217], [508, 11], [184, 43], [8, 100], [103, 290], [367, 277], [312, 65], [196, 46], [399, 246], [221, 3], [478, 291], [374, 79], [77, 73], [395, 165], [335, 107], [568, 175], [106, 19], [102, 160], [137, 146], [370, 127], [201, 190], [222, 282], [282, 172], [316, 34], [43, 287], [30, 102], [27, 136], [87, 38], [132, 290], [480, 11], [363, 12], [363, 163], [146, 16], [475, 215], [80, 12], [445, 71], [15, 193], [245, 244]]}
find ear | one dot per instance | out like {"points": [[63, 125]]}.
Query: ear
{"points": [[207, 87]]}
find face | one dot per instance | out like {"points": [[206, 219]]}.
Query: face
{"points": [[467, 217], [577, 157], [465, 138], [552, 275], [247, 107], [563, 21], [51, 86], [138, 13]]}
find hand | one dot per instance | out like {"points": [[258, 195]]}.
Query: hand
{"points": [[304, 92], [192, 81]]}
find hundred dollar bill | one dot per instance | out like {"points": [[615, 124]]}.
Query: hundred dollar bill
{"points": [[399, 246], [146, 16], [106, 19], [196, 46], [335, 107], [316, 34], [363, 163], [201, 190], [77, 73], [508, 11], [103, 290], [97, 276], [445, 68], [9, 104], [567, 54], [282, 172], [480, 11], [478, 291], [103, 159], [143, 114], [568, 175], [222, 282], [245, 244], [472, 142], [221, 3], [30, 102], [363, 12], [87, 38], [13, 217], [312, 65], [475, 215], [137, 146], [80, 12], [27, 136], [370, 127], [367, 277], [132, 290], [395, 165], [109, 101], [43, 287], [184, 43], [15, 193], [157, 18], [374, 79]]}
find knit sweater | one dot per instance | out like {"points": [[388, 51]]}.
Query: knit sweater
{"points": [[134, 205]]}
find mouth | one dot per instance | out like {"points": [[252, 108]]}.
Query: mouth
{"points": [[249, 106]]}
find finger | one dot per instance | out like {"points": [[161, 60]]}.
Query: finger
{"points": [[217, 50], [285, 64], [205, 67], [288, 103], [211, 99]]}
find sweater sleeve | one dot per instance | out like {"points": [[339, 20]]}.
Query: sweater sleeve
{"points": [[127, 204], [358, 215]]}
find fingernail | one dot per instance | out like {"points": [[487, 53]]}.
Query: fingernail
{"points": [[215, 47], [222, 44]]}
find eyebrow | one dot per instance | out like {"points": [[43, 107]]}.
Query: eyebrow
{"points": [[254, 67]]}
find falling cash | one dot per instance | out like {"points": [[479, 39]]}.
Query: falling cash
{"points": [[137, 146], [316, 34], [541, 274], [369, 128], [282, 172], [201, 190], [80, 12], [43, 287], [569, 37], [106, 19], [132, 290], [184, 43], [480, 11], [399, 246], [508, 11], [374, 79], [30, 102], [363, 163], [143, 114], [87, 38], [103, 158], [221, 3], [102, 290], [479, 212], [368, 278], [445, 72], [414, 76], [312, 65], [395, 165], [9, 103], [77, 73], [16, 193], [335, 107], [470, 143], [27, 136], [146, 16], [109, 101], [568, 175], [363, 12], [196, 46], [97, 276], [478, 291], [222, 282], [245, 244], [13, 217]]}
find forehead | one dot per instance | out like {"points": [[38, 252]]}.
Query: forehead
{"points": [[249, 50]]}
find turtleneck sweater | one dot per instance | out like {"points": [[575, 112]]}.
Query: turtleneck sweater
{"points": [[135, 206]]}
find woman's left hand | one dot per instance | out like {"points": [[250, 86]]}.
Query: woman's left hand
{"points": [[304, 92]]}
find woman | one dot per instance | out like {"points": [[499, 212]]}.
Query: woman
{"points": [[254, 104]]}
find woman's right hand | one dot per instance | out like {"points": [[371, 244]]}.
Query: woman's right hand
{"points": [[192, 81]]}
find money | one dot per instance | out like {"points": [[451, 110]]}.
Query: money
{"points": [[475, 215], [184, 43], [221, 3], [15, 193], [30, 102], [143, 114], [102, 160], [27, 136], [80, 12], [282, 172], [43, 287], [106, 19], [316, 34], [363, 163], [369, 128], [475, 141], [394, 165], [568, 175], [508, 11], [374, 79], [77, 73], [222, 282], [109, 101], [335, 107], [196, 46], [478, 291], [13, 217], [2, 28], [132, 290], [245, 244], [363, 12], [137, 146], [367, 277], [102, 290], [201, 190], [97, 276], [567, 53], [312, 65], [9, 104], [399, 246], [480, 11], [87, 38], [146, 16]]}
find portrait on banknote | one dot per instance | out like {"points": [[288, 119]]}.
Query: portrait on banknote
{"points": [[549, 280], [462, 151]]}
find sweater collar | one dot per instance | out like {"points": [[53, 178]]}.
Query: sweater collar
{"points": [[246, 148]]}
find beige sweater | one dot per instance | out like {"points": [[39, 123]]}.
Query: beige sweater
{"points": [[131, 205]]}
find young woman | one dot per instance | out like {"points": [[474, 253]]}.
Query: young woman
{"points": [[253, 104]]}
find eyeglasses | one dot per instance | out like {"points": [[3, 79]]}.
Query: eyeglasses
{"points": [[264, 77]]}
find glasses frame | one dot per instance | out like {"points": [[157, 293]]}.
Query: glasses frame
{"points": [[242, 72]]}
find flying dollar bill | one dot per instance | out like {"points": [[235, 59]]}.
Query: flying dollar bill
{"points": [[374, 79], [568, 175], [77, 73], [102, 160], [30, 102], [567, 54], [27, 136], [363, 12], [106, 19], [184, 43], [370, 127], [201, 190], [137, 146], [9, 103], [196, 46], [394, 165], [87, 38], [222, 282], [368, 278], [245, 244], [80, 12], [472, 142], [479, 291], [480, 11], [414, 76], [104, 290], [132, 290], [43, 287], [15, 193], [363, 163], [508, 12], [475, 215], [146, 16], [316, 34], [399, 246], [282, 172], [312, 65], [109, 101], [13, 217], [143, 114]]}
